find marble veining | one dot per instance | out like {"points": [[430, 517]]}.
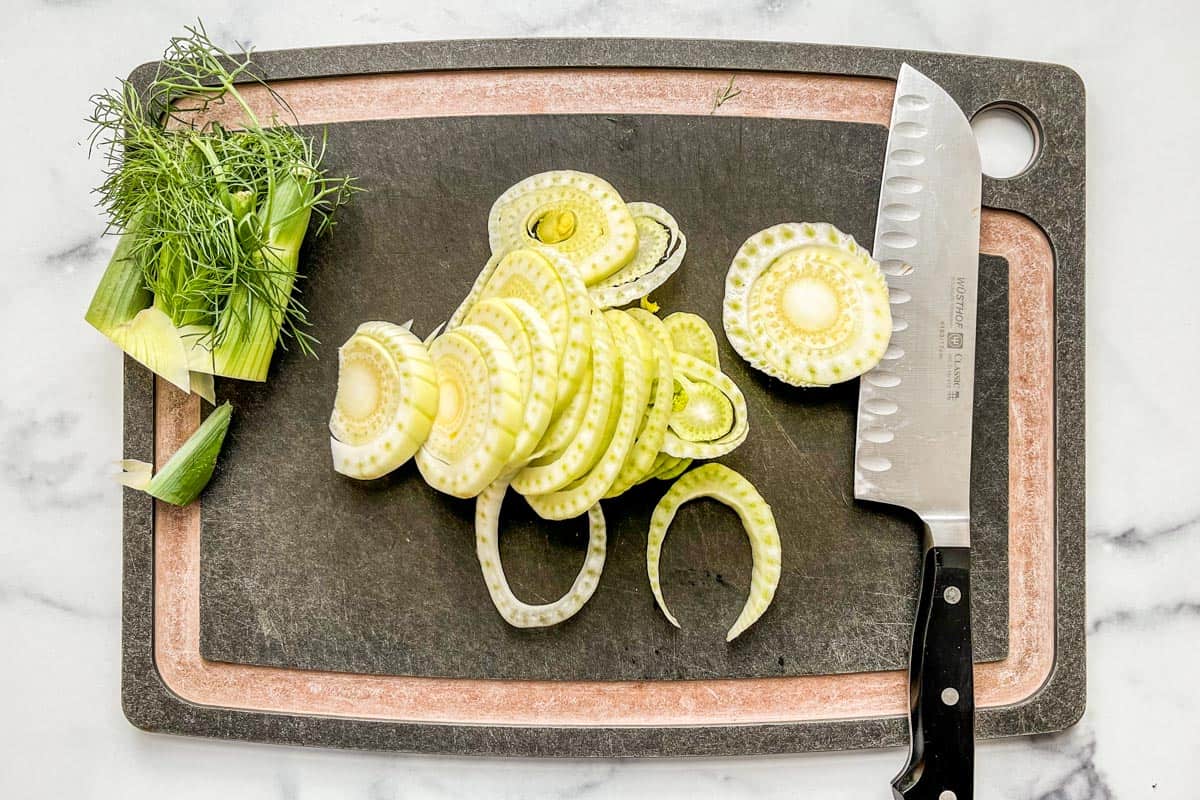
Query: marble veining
{"points": [[1084, 782], [62, 733], [1136, 537]]}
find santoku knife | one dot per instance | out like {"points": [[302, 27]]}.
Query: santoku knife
{"points": [[914, 413]]}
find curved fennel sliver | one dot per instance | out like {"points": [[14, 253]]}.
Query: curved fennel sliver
{"points": [[646, 447], [726, 486], [564, 425], [661, 248], [487, 548], [806, 304], [663, 463], [673, 470], [589, 441]]}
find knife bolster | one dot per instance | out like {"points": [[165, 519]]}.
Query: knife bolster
{"points": [[947, 532]]}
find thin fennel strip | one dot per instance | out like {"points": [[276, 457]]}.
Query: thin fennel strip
{"points": [[653, 429], [589, 442], [487, 548], [673, 469], [565, 425], [585, 493], [726, 486]]}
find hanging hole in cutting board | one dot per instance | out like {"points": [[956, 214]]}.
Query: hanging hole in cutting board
{"points": [[1008, 139]]}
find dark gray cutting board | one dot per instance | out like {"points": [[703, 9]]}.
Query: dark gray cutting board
{"points": [[304, 568], [333, 570]]}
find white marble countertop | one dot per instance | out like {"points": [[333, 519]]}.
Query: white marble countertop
{"points": [[61, 729]]}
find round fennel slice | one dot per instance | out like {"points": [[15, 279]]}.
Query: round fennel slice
{"points": [[531, 343], [387, 396], [480, 412], [805, 304], [720, 410], [573, 213], [552, 286]]}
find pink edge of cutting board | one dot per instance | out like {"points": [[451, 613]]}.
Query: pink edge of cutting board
{"points": [[635, 703]]}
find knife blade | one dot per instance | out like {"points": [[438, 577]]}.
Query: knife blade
{"points": [[913, 447]]}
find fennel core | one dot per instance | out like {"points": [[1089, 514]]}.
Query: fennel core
{"points": [[211, 219]]}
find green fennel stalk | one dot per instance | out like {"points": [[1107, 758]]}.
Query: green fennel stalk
{"points": [[211, 218], [189, 470]]}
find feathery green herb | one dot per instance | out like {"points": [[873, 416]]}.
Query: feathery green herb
{"points": [[214, 215], [724, 95]]}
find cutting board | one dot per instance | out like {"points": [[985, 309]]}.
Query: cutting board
{"points": [[294, 605]]}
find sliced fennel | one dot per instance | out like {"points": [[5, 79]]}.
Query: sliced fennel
{"points": [[805, 304], [533, 385], [704, 414], [661, 248], [576, 214], [726, 486], [566, 424], [480, 412], [531, 343], [673, 470], [653, 427], [702, 380], [662, 461], [691, 334], [189, 470], [585, 448], [635, 391], [666, 467], [387, 397], [553, 287], [487, 548]]}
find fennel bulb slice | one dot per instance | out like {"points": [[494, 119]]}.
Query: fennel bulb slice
{"points": [[726, 486]]}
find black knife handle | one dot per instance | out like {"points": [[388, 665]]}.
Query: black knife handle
{"points": [[941, 683]]}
